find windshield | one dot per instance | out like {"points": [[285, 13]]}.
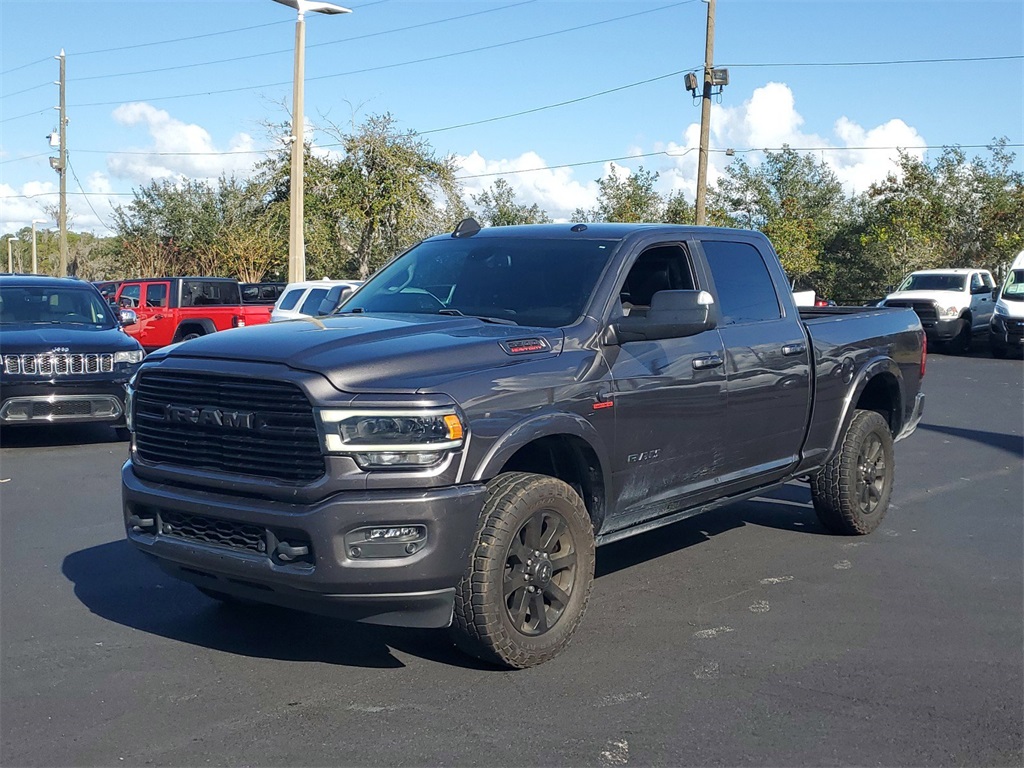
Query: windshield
{"points": [[525, 281], [932, 282], [53, 304], [1013, 288]]}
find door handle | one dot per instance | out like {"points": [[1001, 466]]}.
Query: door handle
{"points": [[794, 349], [709, 361]]}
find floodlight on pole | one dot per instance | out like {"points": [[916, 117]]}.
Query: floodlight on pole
{"points": [[35, 261], [296, 236]]}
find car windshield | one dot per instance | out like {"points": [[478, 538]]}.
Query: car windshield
{"points": [[538, 282], [53, 304], [933, 282], [1013, 288]]}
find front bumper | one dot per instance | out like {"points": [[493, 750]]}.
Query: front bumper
{"points": [[62, 401], [246, 547], [1006, 332], [943, 329]]}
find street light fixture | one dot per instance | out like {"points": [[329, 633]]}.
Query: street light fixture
{"points": [[35, 263], [296, 237]]}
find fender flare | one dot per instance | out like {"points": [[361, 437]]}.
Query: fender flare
{"points": [[205, 323], [874, 367], [541, 425]]}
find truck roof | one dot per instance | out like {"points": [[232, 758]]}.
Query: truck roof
{"points": [[599, 231], [950, 271]]}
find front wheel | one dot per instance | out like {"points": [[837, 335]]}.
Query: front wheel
{"points": [[531, 569], [851, 493]]}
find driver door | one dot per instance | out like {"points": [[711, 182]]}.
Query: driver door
{"points": [[669, 400]]}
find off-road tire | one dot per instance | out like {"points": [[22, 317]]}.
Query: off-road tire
{"points": [[851, 492], [534, 534]]}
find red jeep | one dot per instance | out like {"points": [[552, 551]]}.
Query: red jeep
{"points": [[171, 309]]}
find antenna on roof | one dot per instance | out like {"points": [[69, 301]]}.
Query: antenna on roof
{"points": [[466, 228]]}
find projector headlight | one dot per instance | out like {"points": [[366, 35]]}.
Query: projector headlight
{"points": [[392, 439], [131, 356]]}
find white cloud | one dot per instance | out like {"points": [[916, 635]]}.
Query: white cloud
{"points": [[178, 149], [554, 190], [768, 120]]}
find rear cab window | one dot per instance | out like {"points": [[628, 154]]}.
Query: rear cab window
{"points": [[746, 293], [290, 298]]}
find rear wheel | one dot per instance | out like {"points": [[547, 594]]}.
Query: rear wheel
{"points": [[851, 493], [528, 581]]}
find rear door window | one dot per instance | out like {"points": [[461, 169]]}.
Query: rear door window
{"points": [[291, 298], [311, 305], [746, 293]]}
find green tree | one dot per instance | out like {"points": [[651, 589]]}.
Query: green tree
{"points": [[388, 191], [627, 198], [794, 199], [500, 208]]}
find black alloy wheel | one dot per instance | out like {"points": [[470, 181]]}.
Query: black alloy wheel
{"points": [[540, 573]]}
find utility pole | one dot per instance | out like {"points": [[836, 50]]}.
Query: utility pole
{"points": [[705, 117], [296, 224], [62, 170], [10, 257]]}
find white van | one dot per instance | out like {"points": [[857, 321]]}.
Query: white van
{"points": [[304, 299], [1006, 331]]}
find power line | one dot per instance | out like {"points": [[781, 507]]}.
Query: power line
{"points": [[887, 62], [721, 151], [313, 45], [87, 200], [26, 90], [439, 57], [621, 158]]}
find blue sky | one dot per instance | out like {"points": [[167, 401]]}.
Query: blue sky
{"points": [[192, 89]]}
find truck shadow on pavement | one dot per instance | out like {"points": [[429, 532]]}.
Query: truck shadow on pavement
{"points": [[1005, 442], [120, 584], [58, 435]]}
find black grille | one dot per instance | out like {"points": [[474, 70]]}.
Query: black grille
{"points": [[209, 530], [1015, 327], [925, 309], [238, 426], [42, 409]]}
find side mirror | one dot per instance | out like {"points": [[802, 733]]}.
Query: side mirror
{"points": [[127, 317], [995, 293], [334, 299], [673, 315]]}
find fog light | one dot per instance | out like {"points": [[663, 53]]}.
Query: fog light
{"points": [[386, 541]]}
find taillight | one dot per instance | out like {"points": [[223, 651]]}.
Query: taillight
{"points": [[924, 353]]}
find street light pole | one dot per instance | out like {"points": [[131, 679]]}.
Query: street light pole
{"points": [[296, 234], [35, 261]]}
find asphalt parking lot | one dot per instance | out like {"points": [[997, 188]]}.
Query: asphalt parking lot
{"points": [[747, 636]]}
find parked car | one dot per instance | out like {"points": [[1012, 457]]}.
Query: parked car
{"points": [[954, 304], [108, 289], [64, 355], [173, 309], [304, 299], [262, 293], [1006, 330], [448, 449]]}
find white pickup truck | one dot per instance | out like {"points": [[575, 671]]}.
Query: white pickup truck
{"points": [[1006, 331], [953, 304]]}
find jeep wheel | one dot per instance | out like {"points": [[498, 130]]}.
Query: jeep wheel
{"points": [[530, 572], [191, 335], [851, 493]]}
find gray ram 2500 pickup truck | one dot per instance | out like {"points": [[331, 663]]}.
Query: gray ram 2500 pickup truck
{"points": [[449, 448]]}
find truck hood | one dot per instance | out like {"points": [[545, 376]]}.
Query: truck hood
{"points": [[942, 298], [391, 353]]}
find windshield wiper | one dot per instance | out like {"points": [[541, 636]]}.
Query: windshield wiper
{"points": [[485, 318]]}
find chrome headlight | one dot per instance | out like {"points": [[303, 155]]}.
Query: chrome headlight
{"points": [[130, 356], [392, 439], [949, 312]]}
